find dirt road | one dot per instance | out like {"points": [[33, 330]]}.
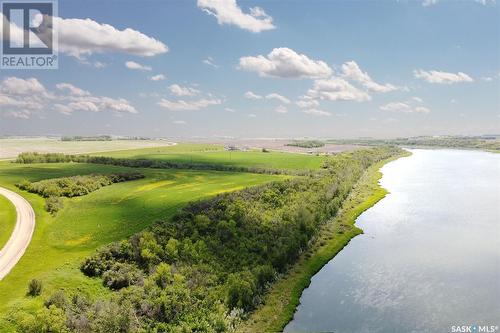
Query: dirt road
{"points": [[21, 236]]}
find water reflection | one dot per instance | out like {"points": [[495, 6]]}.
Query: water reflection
{"points": [[429, 258]]}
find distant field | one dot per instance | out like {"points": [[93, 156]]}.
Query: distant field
{"points": [[215, 154], [10, 148], [7, 220], [108, 214]]}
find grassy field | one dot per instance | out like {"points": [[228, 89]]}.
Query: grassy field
{"points": [[10, 148], [280, 303], [85, 223], [215, 154], [7, 220]]}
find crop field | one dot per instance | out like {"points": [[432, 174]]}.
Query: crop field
{"points": [[10, 148], [85, 223], [7, 220], [215, 154]]}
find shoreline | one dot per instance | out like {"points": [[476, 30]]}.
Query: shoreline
{"points": [[281, 301]]}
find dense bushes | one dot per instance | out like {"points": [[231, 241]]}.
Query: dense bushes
{"points": [[75, 186]]}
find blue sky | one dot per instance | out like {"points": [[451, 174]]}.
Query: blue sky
{"points": [[311, 68]]}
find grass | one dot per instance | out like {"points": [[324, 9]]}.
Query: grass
{"points": [[85, 223], [215, 154], [10, 148], [7, 220], [280, 302]]}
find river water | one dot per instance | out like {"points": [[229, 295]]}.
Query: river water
{"points": [[429, 258]]}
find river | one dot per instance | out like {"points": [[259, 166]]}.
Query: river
{"points": [[429, 258]]}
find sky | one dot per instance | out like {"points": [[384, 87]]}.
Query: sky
{"points": [[226, 68]]}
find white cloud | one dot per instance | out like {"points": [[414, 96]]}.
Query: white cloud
{"points": [[210, 62], [252, 115], [285, 63], [251, 95], [306, 102], [442, 77], [427, 3], [278, 97], [351, 71], [158, 77], [281, 109], [178, 90], [137, 66], [417, 99], [72, 89], [82, 37], [179, 122], [316, 112], [229, 110], [228, 12], [21, 98], [181, 105], [403, 107], [487, 79], [337, 89], [17, 86]]}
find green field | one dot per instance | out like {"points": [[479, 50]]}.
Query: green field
{"points": [[7, 220], [85, 223], [215, 154]]}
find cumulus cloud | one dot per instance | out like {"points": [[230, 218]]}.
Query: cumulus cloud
{"points": [[251, 95], [337, 89], [136, 66], [281, 109], [442, 77], [159, 77], [404, 107], [21, 98], [278, 97], [178, 90], [306, 102], [210, 62], [82, 37], [182, 105], [316, 112], [351, 71], [72, 89], [228, 12], [285, 63]]}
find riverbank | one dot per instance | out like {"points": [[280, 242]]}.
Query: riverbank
{"points": [[281, 301]]}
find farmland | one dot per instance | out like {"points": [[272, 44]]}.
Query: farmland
{"points": [[109, 214], [215, 154]]}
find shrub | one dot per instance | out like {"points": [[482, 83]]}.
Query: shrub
{"points": [[121, 275], [58, 299], [34, 287], [53, 204]]}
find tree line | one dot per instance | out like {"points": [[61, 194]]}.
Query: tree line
{"points": [[33, 157]]}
